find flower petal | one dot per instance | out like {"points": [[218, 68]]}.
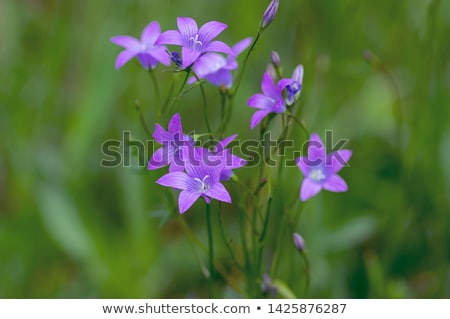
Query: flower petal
{"points": [[189, 56], [187, 26], [186, 199], [147, 61], [177, 180], [124, 57], [257, 117], [161, 135], [224, 143], [316, 151], [151, 33], [221, 77], [260, 101], [169, 37], [241, 46], [159, 159], [219, 192], [303, 165], [127, 42], [335, 183], [298, 74], [268, 87], [335, 161], [210, 30], [160, 53], [209, 63], [309, 189], [175, 125], [218, 46]]}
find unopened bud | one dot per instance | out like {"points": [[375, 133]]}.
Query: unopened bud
{"points": [[276, 59], [299, 242], [270, 13]]}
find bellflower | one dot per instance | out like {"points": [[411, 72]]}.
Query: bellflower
{"points": [[271, 101], [223, 154], [146, 51], [295, 86], [194, 42], [320, 169], [199, 180], [270, 13], [172, 141], [216, 69]]}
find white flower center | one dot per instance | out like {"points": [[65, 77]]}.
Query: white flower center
{"points": [[317, 175], [194, 43], [203, 184]]}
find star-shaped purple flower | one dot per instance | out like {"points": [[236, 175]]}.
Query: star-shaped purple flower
{"points": [[172, 141], [194, 42], [271, 101], [223, 154], [147, 52], [320, 169], [216, 69], [199, 180]]}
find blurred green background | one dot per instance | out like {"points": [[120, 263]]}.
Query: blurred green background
{"points": [[70, 228]]}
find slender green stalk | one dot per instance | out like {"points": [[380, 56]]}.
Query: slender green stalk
{"points": [[227, 244], [180, 92], [205, 112], [300, 123], [157, 93], [244, 65], [308, 276], [210, 250], [141, 118]]}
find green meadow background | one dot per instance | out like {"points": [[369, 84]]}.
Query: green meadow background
{"points": [[70, 228]]}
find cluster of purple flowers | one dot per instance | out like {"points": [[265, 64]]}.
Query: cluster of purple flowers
{"points": [[199, 172], [196, 171], [198, 50]]}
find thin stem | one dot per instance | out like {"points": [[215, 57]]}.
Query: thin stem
{"points": [[308, 276], [141, 118], [210, 250], [180, 92], [227, 244], [205, 114], [166, 102], [244, 65], [157, 93], [300, 123]]}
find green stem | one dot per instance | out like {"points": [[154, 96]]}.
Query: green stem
{"points": [[205, 113], [210, 250], [157, 93], [308, 276], [180, 92], [227, 244], [244, 65], [141, 118]]}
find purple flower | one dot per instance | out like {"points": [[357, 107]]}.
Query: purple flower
{"points": [[194, 42], [276, 61], [270, 13], [271, 101], [199, 180], [223, 154], [268, 288], [216, 69], [147, 52], [299, 242], [172, 141], [320, 169], [295, 86]]}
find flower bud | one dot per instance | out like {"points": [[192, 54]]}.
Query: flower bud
{"points": [[299, 242], [270, 13], [276, 59]]}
